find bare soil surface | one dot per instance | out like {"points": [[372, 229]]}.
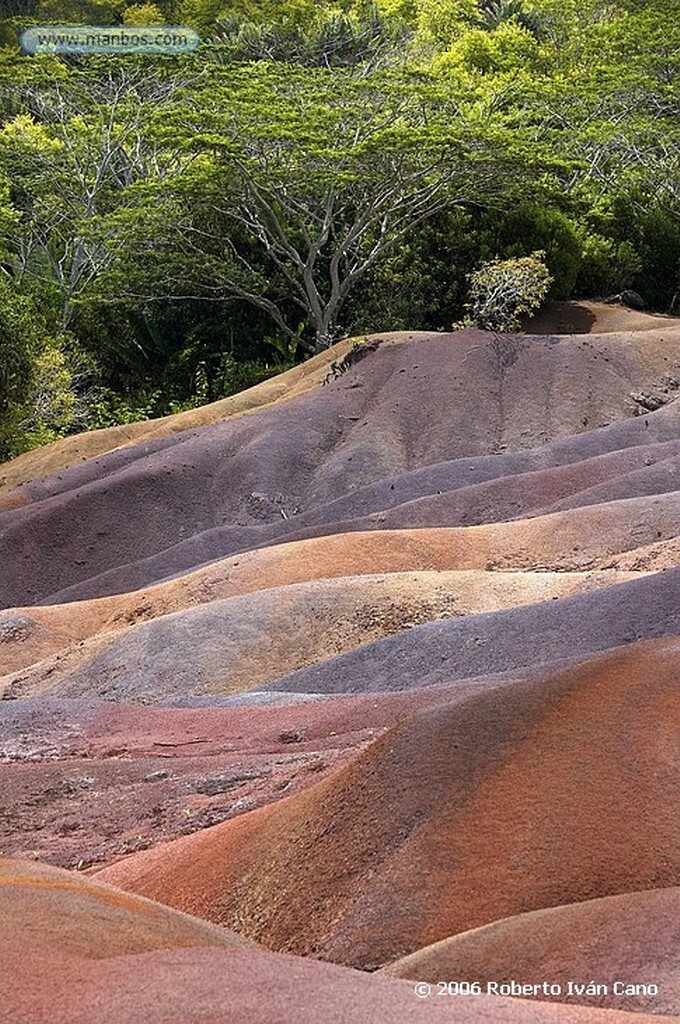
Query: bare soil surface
{"points": [[403, 407], [589, 317], [631, 936], [374, 664]]}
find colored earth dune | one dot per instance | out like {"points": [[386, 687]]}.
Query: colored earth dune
{"points": [[350, 686]]}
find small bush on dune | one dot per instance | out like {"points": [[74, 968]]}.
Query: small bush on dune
{"points": [[501, 291]]}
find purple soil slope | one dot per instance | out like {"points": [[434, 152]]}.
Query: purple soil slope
{"points": [[645, 432], [402, 407], [310, 619], [574, 539], [605, 478]]}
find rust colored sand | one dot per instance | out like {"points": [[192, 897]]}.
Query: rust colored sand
{"points": [[46, 911], [84, 782], [525, 797]]}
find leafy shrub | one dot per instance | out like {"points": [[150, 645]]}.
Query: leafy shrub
{"points": [[484, 52], [655, 234], [442, 20], [19, 340], [234, 376], [502, 290], [142, 14], [105, 408], [419, 284], [53, 402], [85, 12]]}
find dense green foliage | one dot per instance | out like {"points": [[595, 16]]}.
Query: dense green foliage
{"points": [[174, 229], [38, 398]]}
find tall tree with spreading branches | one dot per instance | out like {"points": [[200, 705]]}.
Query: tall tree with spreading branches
{"points": [[303, 179]]}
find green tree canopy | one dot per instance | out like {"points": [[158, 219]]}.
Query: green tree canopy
{"points": [[322, 173]]}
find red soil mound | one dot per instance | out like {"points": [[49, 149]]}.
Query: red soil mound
{"points": [[507, 783], [84, 782], [634, 937], [77, 951], [526, 797]]}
